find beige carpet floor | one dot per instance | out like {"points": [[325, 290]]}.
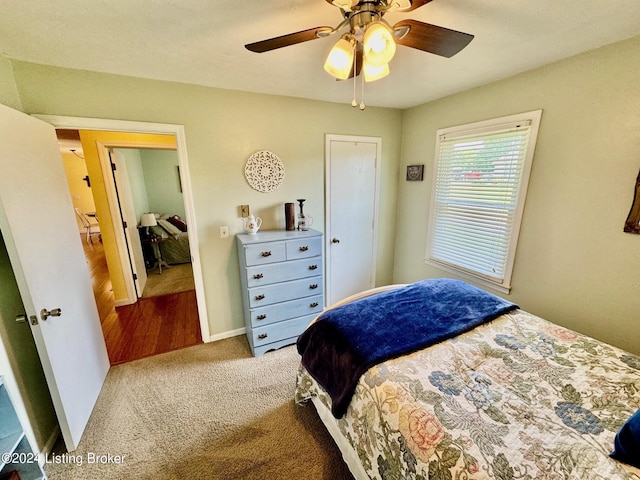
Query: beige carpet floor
{"points": [[206, 412], [176, 278]]}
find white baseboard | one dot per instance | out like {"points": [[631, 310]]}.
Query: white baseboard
{"points": [[229, 334]]}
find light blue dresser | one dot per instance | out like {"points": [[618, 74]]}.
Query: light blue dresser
{"points": [[281, 272]]}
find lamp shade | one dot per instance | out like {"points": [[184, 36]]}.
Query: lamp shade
{"points": [[148, 220], [379, 44], [374, 72], [340, 58]]}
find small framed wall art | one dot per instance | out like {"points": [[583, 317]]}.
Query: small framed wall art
{"points": [[632, 225], [415, 173]]}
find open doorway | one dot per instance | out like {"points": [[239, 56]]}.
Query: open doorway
{"points": [[149, 192], [162, 314]]}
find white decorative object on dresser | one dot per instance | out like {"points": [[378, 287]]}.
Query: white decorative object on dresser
{"points": [[281, 272], [17, 455]]}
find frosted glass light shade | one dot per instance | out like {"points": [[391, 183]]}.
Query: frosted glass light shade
{"points": [[344, 4], [402, 4], [379, 44], [340, 58], [148, 220], [374, 72]]}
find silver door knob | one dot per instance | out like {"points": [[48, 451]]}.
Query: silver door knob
{"points": [[335, 240], [44, 313]]}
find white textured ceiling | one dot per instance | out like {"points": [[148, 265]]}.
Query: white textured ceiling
{"points": [[202, 42]]}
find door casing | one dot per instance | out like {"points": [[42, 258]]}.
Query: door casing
{"points": [[332, 210], [82, 123]]}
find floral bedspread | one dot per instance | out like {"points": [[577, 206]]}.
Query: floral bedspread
{"points": [[518, 398]]}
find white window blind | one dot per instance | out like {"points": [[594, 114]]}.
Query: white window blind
{"points": [[480, 179]]}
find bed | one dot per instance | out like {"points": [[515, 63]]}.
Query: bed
{"points": [[174, 247], [514, 397]]}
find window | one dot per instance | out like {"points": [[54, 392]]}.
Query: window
{"points": [[480, 181]]}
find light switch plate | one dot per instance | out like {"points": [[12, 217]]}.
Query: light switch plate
{"points": [[224, 232], [244, 210]]}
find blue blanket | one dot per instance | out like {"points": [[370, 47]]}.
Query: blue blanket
{"points": [[346, 341]]}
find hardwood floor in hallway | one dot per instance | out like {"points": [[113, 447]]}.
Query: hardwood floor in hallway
{"points": [[148, 327]]}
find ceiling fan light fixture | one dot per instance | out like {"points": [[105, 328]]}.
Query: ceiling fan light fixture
{"points": [[374, 72], [340, 58], [398, 4], [379, 44], [345, 5]]}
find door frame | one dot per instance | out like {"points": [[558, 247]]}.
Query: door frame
{"points": [[328, 207], [123, 244], [123, 196], [127, 126]]}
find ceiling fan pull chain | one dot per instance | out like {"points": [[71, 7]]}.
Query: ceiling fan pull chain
{"points": [[354, 103], [362, 92]]}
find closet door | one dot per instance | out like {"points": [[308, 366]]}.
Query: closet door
{"points": [[353, 165]]}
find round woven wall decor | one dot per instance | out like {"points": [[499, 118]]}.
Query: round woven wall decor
{"points": [[264, 171]]}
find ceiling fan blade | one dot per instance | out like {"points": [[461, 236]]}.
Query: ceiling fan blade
{"points": [[286, 40], [432, 38], [415, 4]]}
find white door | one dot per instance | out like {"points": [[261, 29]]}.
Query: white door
{"points": [[353, 165], [38, 224], [128, 217]]}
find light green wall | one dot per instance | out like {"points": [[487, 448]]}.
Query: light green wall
{"points": [[223, 128], [8, 89], [135, 177], [574, 264], [153, 179], [162, 181]]}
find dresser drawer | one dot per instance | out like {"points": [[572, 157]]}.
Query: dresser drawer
{"points": [[281, 292], [265, 253], [304, 247], [281, 272], [286, 310], [281, 330]]}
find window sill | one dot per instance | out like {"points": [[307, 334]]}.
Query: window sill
{"points": [[464, 275]]}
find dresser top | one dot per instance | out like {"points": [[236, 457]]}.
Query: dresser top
{"points": [[271, 235]]}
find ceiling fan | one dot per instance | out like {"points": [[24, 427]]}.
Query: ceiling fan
{"points": [[370, 42]]}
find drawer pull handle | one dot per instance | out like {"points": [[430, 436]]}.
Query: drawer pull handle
{"points": [[313, 267], [313, 305], [266, 254], [313, 286], [258, 276], [262, 336], [304, 248], [261, 317], [260, 297]]}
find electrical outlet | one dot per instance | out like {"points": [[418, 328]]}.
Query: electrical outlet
{"points": [[224, 232], [244, 210]]}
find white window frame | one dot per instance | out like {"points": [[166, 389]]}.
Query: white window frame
{"points": [[501, 283]]}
